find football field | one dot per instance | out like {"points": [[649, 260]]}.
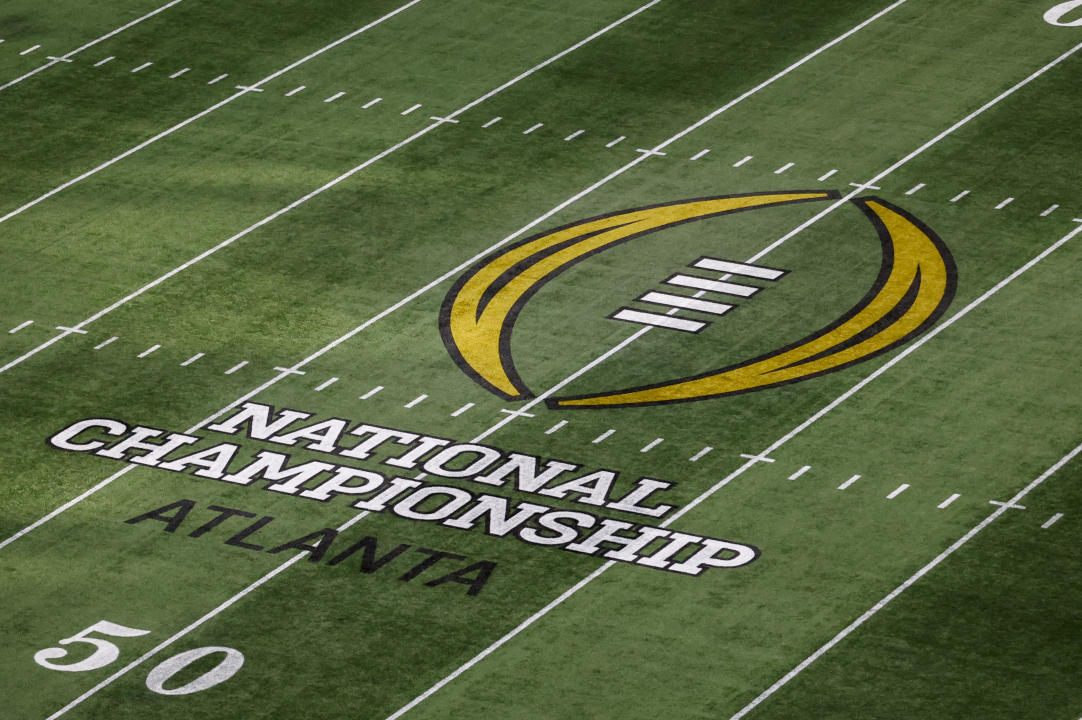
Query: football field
{"points": [[625, 359]]}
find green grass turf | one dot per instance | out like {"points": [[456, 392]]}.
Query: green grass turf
{"points": [[979, 411]]}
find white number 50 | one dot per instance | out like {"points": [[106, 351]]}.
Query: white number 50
{"points": [[106, 651], [1056, 14]]}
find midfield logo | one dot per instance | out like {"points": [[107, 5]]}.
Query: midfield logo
{"points": [[915, 285]]}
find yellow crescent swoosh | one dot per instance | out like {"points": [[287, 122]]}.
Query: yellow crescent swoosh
{"points": [[915, 287], [478, 314]]}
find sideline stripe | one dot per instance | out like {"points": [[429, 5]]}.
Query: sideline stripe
{"points": [[349, 173], [92, 43], [165, 133], [904, 586]]}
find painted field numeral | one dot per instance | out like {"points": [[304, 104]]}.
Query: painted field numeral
{"points": [[1055, 15], [106, 652]]}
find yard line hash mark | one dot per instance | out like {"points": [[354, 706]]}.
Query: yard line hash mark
{"points": [[916, 188], [148, 351], [370, 103], [236, 367], [848, 630], [556, 427], [700, 154], [408, 110], [849, 482], [603, 436], [573, 135], [462, 409], [898, 491], [745, 159], [101, 62], [334, 97], [295, 90], [221, 77], [20, 326], [611, 143], [1050, 210], [652, 444], [827, 175], [1051, 521], [1004, 203], [948, 501], [100, 345], [66, 57], [30, 49], [192, 359], [959, 196], [492, 122], [178, 73], [416, 401], [800, 472], [699, 455], [371, 392], [326, 384], [783, 168], [141, 67], [530, 129]]}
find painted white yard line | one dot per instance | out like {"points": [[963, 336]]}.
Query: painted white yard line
{"points": [[221, 77], [700, 154], [1051, 521], [371, 392], [148, 351], [959, 196], [492, 122], [30, 49], [236, 367], [410, 109], [800, 472], [556, 427], [848, 630], [416, 401], [334, 97], [100, 345], [141, 67], [783, 168], [67, 56], [375, 158], [101, 62], [326, 384], [651, 445], [743, 160], [915, 189], [898, 491], [699, 455], [370, 103], [1050, 210], [216, 106], [948, 501], [462, 409], [603, 436], [178, 73], [615, 142], [295, 90], [1004, 203], [849, 482], [828, 174], [530, 129], [192, 359], [573, 135], [20, 326]]}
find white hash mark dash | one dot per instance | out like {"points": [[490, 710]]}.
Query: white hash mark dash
{"points": [[492, 122], [651, 445], [218, 79], [556, 427], [602, 436], [699, 154], [1050, 210], [370, 103], [100, 345], [462, 409], [30, 49], [295, 90], [620, 139], [101, 62], [178, 73], [828, 174], [849, 482], [334, 97], [700, 454], [800, 472], [326, 384], [236, 367], [1004, 203], [783, 168], [1051, 521], [745, 159], [948, 501], [141, 67], [573, 135], [916, 188], [149, 350], [898, 491], [530, 129], [416, 401], [371, 392], [20, 326], [192, 359], [959, 196], [410, 109]]}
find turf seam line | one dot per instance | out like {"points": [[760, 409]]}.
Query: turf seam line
{"points": [[92, 43], [830, 644]]}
